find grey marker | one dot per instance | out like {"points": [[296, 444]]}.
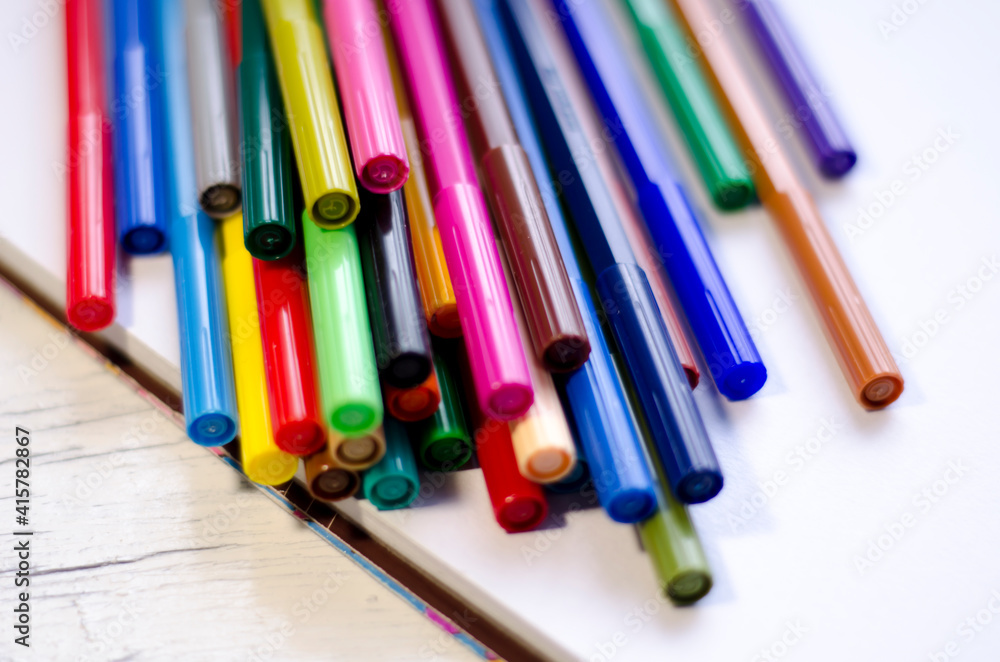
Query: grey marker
{"points": [[213, 114]]}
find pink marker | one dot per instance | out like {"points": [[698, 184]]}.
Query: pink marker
{"points": [[499, 370], [366, 93]]}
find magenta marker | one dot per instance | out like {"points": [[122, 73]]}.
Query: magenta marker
{"points": [[366, 93], [499, 369]]}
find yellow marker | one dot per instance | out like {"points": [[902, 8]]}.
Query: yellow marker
{"points": [[262, 461], [436, 290], [313, 113]]}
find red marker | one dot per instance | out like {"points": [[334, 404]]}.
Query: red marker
{"points": [[286, 331], [232, 21], [90, 244], [518, 504]]}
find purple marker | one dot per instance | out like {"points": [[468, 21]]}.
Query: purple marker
{"points": [[830, 146]]}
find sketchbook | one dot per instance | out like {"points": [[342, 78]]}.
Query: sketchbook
{"points": [[836, 526]]}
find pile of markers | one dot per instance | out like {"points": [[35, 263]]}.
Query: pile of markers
{"points": [[418, 233]]}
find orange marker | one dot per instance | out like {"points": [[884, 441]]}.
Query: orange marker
{"points": [[413, 404], [436, 289], [856, 340]]}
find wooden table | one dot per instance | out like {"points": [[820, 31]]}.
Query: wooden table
{"points": [[146, 546]]}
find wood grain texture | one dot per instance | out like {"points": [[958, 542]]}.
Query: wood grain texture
{"points": [[148, 547]]}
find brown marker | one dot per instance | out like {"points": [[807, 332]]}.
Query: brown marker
{"points": [[327, 479], [557, 333]]}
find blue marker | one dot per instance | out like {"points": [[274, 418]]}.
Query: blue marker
{"points": [[599, 412], [206, 361], [725, 342], [137, 118], [678, 431]]}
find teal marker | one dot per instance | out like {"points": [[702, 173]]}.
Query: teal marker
{"points": [[393, 482]]}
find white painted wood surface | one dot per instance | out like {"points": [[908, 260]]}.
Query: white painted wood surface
{"points": [[148, 547]]}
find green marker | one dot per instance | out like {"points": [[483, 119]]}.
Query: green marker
{"points": [[268, 214], [393, 482], [349, 387], [675, 550], [443, 440], [675, 61]]}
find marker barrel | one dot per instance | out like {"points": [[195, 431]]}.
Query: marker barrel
{"points": [[681, 439], [289, 361], [593, 394], [349, 386], [518, 503], [357, 452], [442, 441], [268, 210], [321, 153], [611, 444], [500, 373], [90, 237], [212, 112], [393, 482], [380, 159], [858, 344], [413, 404], [327, 480], [140, 180], [675, 551], [725, 341], [262, 460], [207, 384], [556, 331], [831, 149], [402, 343], [702, 122]]}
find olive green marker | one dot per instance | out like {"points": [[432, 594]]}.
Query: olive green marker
{"points": [[669, 537], [675, 550], [676, 63], [349, 389]]}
